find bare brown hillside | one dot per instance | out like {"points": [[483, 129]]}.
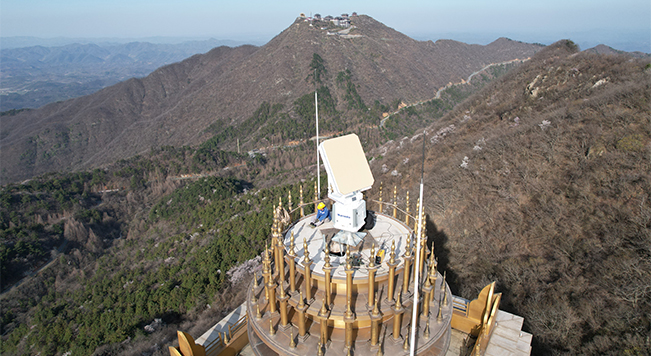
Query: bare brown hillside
{"points": [[176, 103], [541, 182]]}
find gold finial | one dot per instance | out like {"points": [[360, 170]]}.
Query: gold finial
{"points": [[258, 315], [445, 298], [289, 200], [226, 341], [398, 305], [292, 343], [408, 246], [292, 246], [319, 349], [376, 311], [392, 255], [371, 260], [280, 202], [326, 257], [307, 253], [255, 280], [405, 345], [427, 283], [272, 331], [301, 303], [323, 310], [426, 331], [282, 289], [432, 271]]}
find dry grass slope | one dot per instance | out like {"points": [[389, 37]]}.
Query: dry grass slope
{"points": [[542, 182]]}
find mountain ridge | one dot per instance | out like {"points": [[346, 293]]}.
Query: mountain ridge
{"points": [[176, 103]]}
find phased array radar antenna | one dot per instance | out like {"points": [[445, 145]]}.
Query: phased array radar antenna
{"points": [[348, 176]]}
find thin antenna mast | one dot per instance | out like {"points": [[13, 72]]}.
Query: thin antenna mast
{"points": [[316, 109], [414, 306]]}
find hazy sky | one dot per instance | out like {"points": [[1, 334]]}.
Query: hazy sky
{"points": [[599, 21]]}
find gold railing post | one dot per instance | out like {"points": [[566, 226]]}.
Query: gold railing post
{"points": [[283, 298], [308, 272], [327, 268], [407, 270], [372, 268], [398, 310], [281, 258], [292, 264], [301, 308], [376, 319], [349, 319], [392, 263]]}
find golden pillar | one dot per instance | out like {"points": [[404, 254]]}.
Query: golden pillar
{"points": [[289, 200], [407, 271], [327, 269], [323, 315], [423, 254], [372, 268], [349, 276], [283, 298], [376, 319], [274, 246], [271, 287], [301, 308], [398, 310], [281, 258], [392, 263], [292, 264], [308, 272], [349, 319], [427, 291]]}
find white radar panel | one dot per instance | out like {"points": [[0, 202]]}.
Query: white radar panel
{"points": [[346, 164]]}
